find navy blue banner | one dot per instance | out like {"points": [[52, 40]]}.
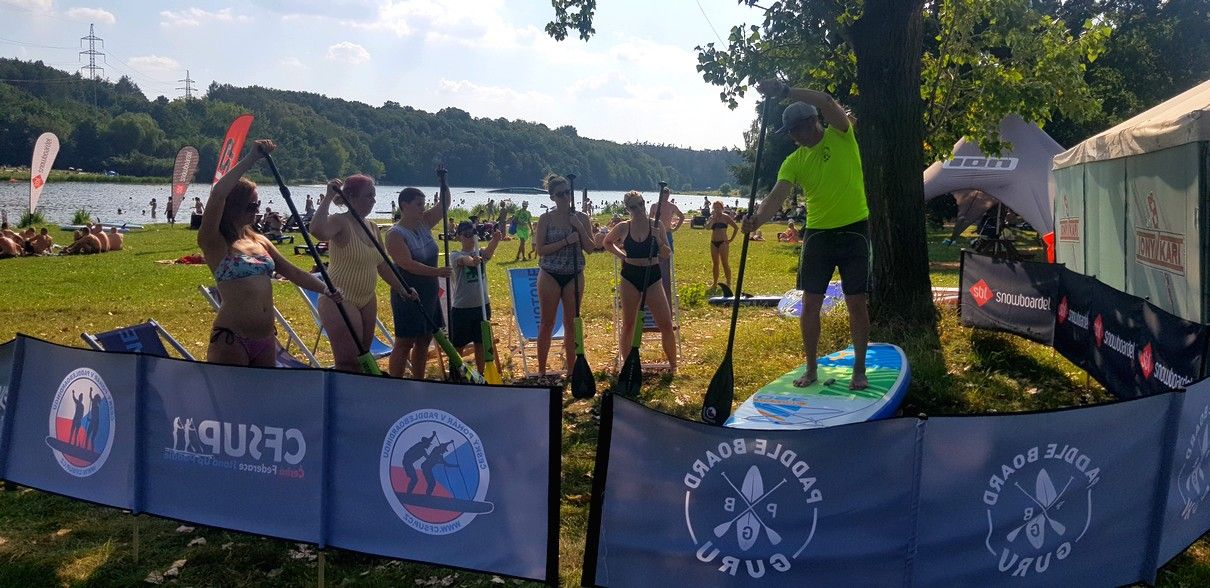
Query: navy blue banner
{"points": [[1114, 344], [1005, 295], [1073, 322], [72, 427], [1050, 499], [1187, 516], [207, 441], [688, 504], [443, 473], [456, 475], [1171, 351]]}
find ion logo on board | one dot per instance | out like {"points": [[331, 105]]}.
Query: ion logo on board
{"points": [[1047, 490], [768, 513], [81, 423], [434, 472]]}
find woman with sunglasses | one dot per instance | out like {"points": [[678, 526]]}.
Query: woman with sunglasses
{"points": [[561, 239], [411, 246], [720, 243], [243, 262], [354, 268], [638, 244]]}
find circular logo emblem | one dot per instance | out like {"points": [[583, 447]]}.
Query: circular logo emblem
{"points": [[434, 472], [751, 505], [81, 423], [1045, 494], [1192, 482]]}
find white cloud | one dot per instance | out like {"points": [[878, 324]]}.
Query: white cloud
{"points": [[480, 100], [92, 15], [155, 63], [194, 17], [292, 62], [348, 52]]}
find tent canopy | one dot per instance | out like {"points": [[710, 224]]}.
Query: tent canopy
{"points": [[1183, 119], [1018, 178]]}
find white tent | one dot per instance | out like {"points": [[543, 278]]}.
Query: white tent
{"points": [[1128, 204], [1017, 177]]}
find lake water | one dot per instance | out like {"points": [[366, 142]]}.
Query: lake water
{"points": [[60, 200]]}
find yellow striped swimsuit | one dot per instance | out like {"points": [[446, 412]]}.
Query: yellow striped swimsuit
{"points": [[354, 269]]}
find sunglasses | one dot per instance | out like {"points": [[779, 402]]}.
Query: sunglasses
{"points": [[253, 206], [561, 193]]}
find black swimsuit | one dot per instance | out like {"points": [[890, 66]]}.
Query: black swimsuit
{"points": [[640, 276], [717, 226]]}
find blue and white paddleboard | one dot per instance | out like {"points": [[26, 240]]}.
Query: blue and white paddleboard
{"points": [[780, 405]]}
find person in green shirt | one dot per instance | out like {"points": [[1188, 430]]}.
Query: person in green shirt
{"points": [[523, 219], [827, 167]]}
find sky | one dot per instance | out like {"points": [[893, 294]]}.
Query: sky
{"points": [[635, 80]]}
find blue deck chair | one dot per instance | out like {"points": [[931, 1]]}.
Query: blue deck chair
{"points": [[145, 337], [284, 359], [380, 345], [523, 286], [651, 332]]}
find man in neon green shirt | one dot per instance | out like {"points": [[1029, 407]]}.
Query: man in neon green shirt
{"points": [[827, 166]]}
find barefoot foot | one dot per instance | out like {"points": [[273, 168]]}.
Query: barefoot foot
{"points": [[859, 382], [806, 379]]}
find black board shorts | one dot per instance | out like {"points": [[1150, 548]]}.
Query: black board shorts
{"points": [[825, 250], [465, 325]]}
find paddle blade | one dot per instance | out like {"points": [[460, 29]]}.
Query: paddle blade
{"points": [[630, 379], [490, 373], [369, 365], [583, 385], [716, 406]]}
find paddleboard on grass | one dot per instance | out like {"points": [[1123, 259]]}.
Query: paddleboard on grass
{"points": [[780, 405]]}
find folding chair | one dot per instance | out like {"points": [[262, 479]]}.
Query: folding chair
{"points": [[523, 286], [145, 338], [284, 357], [651, 332]]}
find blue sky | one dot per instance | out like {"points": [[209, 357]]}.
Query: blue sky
{"points": [[634, 81]]}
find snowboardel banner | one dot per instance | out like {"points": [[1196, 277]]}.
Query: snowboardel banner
{"points": [[1171, 351], [1005, 295], [183, 172], [1073, 327], [1113, 350], [681, 503], [233, 143], [45, 151]]}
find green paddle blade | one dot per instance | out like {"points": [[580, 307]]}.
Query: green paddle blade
{"points": [[369, 365], [716, 406], [579, 336], [638, 330]]}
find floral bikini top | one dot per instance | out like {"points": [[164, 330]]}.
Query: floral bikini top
{"points": [[238, 265]]}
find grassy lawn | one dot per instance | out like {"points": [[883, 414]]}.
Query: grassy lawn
{"points": [[49, 540]]}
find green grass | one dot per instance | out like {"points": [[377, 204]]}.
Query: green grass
{"points": [[49, 540]]}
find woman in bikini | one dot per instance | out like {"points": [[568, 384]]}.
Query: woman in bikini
{"points": [[243, 263], [561, 239], [411, 246], [354, 264], [720, 243], [635, 243]]}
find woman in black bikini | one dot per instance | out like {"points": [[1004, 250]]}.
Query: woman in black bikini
{"points": [[565, 236], [720, 243], [633, 242]]}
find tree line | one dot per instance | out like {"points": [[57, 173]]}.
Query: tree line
{"points": [[114, 126]]}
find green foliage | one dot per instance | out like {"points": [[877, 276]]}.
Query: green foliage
{"points": [[692, 295], [320, 137], [81, 217], [724, 189], [30, 219]]}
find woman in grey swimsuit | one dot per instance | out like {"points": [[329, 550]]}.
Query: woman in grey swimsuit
{"points": [[561, 239]]}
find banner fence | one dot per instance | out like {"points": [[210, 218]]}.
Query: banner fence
{"points": [[422, 471], [1037, 499], [1127, 344]]}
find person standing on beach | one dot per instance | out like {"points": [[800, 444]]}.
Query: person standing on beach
{"points": [[523, 220], [671, 219], [827, 166], [152, 204]]}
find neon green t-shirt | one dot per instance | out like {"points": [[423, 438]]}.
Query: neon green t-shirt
{"points": [[831, 179]]}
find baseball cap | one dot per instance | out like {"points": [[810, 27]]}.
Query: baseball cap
{"points": [[795, 114], [464, 226]]}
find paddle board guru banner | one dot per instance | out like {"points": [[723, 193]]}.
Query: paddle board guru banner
{"points": [[1013, 296], [45, 151], [183, 172], [1057, 498], [420, 471]]}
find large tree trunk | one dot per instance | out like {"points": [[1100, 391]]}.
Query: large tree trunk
{"points": [[887, 41]]}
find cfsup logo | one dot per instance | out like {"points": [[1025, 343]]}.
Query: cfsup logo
{"points": [[81, 423], [981, 292], [434, 472]]}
